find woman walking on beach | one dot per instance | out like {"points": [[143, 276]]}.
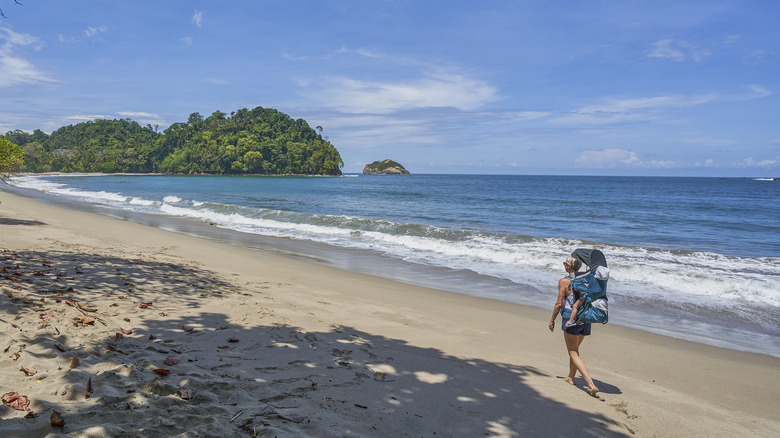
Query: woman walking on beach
{"points": [[572, 335]]}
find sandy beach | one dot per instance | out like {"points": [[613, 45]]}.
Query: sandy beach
{"points": [[113, 329]]}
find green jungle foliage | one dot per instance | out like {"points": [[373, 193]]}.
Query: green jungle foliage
{"points": [[11, 158], [258, 141]]}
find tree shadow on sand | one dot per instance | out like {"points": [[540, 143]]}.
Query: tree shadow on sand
{"points": [[230, 379], [12, 221]]}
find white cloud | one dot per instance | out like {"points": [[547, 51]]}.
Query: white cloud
{"points": [[747, 162], [661, 164], [418, 130], [677, 50], [608, 158], [621, 158], [664, 49], [141, 117], [363, 52], [707, 141], [769, 163], [731, 39], [92, 31], [217, 81], [14, 69], [628, 105], [198, 18], [759, 55], [628, 110], [88, 33], [707, 163], [364, 131], [138, 114], [13, 39], [434, 90], [759, 91], [528, 115], [88, 117], [750, 162]]}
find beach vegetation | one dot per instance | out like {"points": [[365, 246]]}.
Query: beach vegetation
{"points": [[11, 158], [384, 164], [258, 141], [385, 167]]}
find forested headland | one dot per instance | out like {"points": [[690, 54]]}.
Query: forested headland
{"points": [[258, 141]]}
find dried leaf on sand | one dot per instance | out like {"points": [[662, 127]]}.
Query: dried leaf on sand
{"points": [[84, 320], [28, 372], [162, 371], [88, 391], [86, 308], [16, 401], [56, 419]]}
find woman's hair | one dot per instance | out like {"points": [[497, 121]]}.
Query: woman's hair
{"points": [[574, 263]]}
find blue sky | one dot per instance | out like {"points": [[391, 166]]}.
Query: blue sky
{"points": [[612, 87]]}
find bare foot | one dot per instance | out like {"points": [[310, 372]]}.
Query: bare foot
{"points": [[569, 380], [593, 391]]}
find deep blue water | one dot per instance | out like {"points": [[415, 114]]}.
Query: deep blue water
{"points": [[688, 255]]}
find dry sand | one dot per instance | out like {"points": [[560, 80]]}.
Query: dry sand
{"points": [[261, 344]]}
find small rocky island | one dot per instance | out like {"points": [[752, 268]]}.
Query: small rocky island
{"points": [[384, 167]]}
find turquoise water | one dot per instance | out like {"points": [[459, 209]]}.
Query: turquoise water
{"points": [[695, 258]]}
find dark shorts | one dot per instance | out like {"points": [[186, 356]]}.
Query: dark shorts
{"points": [[583, 329]]}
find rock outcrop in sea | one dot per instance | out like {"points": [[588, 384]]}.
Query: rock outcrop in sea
{"points": [[385, 167]]}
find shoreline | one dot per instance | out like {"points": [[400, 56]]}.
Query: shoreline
{"points": [[694, 324], [348, 354]]}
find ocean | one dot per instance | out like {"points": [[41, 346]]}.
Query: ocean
{"points": [[691, 258]]}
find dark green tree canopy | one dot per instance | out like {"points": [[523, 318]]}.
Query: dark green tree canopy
{"points": [[10, 158], [258, 141]]}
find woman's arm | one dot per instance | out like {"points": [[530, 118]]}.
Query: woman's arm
{"points": [[563, 286]]}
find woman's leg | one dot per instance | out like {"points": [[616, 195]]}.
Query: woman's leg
{"points": [[575, 361], [572, 366]]}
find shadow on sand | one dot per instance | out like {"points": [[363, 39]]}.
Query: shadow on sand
{"points": [[259, 378], [10, 221]]}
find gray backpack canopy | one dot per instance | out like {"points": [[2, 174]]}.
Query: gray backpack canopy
{"points": [[590, 257]]}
